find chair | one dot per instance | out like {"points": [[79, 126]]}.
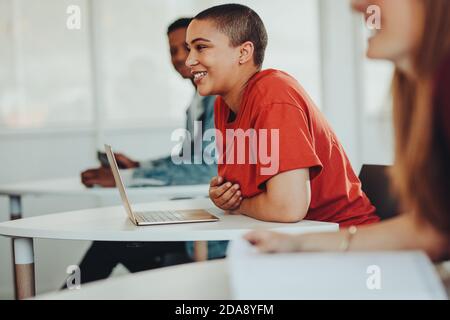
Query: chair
{"points": [[376, 185]]}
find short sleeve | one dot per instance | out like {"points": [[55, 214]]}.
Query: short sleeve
{"points": [[289, 142]]}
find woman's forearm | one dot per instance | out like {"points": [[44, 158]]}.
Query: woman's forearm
{"points": [[286, 198], [401, 233], [261, 207], [254, 208]]}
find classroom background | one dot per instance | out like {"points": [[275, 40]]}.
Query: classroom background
{"points": [[64, 92]]}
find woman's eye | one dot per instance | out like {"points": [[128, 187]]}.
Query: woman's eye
{"points": [[199, 48]]}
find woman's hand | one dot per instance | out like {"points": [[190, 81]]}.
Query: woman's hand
{"points": [[273, 242], [226, 196]]}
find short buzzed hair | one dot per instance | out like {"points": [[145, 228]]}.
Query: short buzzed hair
{"points": [[181, 23], [240, 24]]}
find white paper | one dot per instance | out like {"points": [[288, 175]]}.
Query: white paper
{"points": [[306, 276]]}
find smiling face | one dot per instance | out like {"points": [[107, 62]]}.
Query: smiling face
{"points": [[179, 52], [401, 29], [212, 60]]}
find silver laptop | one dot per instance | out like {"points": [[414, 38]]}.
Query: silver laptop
{"points": [[154, 217]]}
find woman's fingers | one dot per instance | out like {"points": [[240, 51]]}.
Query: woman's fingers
{"points": [[216, 181], [257, 237], [228, 196], [217, 192], [234, 202], [271, 242]]}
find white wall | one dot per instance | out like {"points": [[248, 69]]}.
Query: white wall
{"points": [[355, 90]]}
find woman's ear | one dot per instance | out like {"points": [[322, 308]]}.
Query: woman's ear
{"points": [[247, 51]]}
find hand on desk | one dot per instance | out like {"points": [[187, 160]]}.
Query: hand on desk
{"points": [[124, 162], [225, 195], [273, 242], [101, 176]]}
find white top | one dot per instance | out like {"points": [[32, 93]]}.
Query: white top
{"points": [[112, 224], [196, 281], [74, 187]]}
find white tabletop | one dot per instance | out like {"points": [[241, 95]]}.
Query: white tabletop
{"points": [[193, 281], [74, 187], [112, 224], [197, 281]]}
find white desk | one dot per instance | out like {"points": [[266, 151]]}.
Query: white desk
{"points": [[74, 187], [193, 281], [111, 224]]}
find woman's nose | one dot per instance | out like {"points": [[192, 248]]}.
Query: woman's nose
{"points": [[191, 60]]}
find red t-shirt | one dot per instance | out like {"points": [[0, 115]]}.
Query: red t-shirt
{"points": [[275, 102]]}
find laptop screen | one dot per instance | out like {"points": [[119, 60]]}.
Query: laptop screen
{"points": [[119, 183]]}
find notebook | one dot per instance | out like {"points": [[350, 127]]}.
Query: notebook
{"points": [[311, 276]]}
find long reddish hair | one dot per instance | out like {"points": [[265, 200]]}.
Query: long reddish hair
{"points": [[421, 173]]}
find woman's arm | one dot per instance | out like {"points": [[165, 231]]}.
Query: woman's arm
{"points": [[405, 232], [286, 199]]}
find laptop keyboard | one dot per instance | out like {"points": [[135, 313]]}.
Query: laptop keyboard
{"points": [[160, 216]]}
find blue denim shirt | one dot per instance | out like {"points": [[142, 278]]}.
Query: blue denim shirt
{"points": [[170, 174]]}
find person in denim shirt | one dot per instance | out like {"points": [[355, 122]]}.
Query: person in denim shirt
{"points": [[200, 115], [102, 257]]}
